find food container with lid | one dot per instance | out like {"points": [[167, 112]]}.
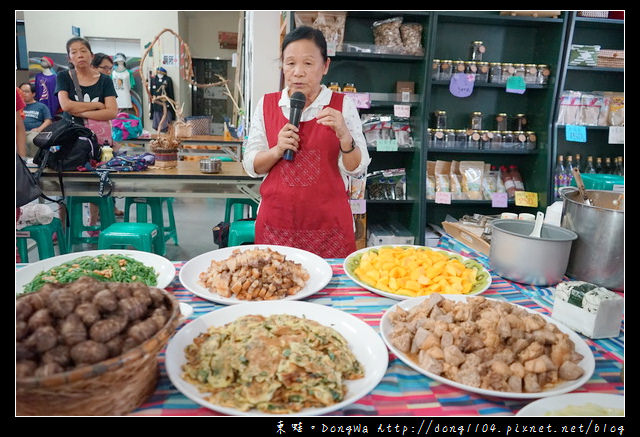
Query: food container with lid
{"points": [[519, 257], [210, 165]]}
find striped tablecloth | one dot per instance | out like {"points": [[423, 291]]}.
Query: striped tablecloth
{"points": [[403, 391]]}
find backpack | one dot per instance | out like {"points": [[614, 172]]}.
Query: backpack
{"points": [[65, 146], [126, 127]]}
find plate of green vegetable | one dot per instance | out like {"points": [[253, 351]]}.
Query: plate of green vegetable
{"points": [[115, 265]]}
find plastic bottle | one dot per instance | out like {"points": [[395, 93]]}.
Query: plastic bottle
{"points": [[507, 180], [517, 178]]}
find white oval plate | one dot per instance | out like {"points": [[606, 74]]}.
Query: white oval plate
{"points": [[319, 271], [364, 342], [350, 260], [542, 407], [164, 268], [588, 362]]}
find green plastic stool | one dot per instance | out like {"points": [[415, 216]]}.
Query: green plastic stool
{"points": [[240, 231], [157, 215], [76, 223], [142, 236], [43, 236]]}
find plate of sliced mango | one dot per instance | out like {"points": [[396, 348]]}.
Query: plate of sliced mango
{"points": [[407, 271]]}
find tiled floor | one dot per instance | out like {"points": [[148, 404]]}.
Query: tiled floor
{"points": [[194, 219]]}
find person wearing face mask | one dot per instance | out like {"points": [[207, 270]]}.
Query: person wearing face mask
{"points": [[123, 82], [45, 83], [162, 85], [304, 202]]}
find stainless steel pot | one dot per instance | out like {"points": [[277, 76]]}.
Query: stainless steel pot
{"points": [[517, 256], [210, 165], [598, 254]]}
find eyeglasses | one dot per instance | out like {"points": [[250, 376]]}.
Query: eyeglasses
{"points": [[106, 68]]}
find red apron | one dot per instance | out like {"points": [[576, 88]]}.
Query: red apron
{"points": [[304, 201]]}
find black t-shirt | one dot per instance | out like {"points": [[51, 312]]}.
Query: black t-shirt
{"points": [[94, 93]]}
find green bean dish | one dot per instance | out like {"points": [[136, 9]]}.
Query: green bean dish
{"points": [[104, 267]]}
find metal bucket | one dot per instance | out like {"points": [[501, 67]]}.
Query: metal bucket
{"points": [[517, 256], [597, 256]]}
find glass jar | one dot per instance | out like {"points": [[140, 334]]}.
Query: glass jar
{"points": [[507, 139], [530, 73], [501, 121], [440, 119], [520, 122], [458, 67], [482, 75], [435, 69], [543, 74], [519, 140], [530, 144], [438, 138], [334, 86], [349, 88], [495, 72], [518, 70], [470, 67], [485, 139], [473, 141], [449, 139], [476, 50], [507, 71], [476, 120], [461, 138], [445, 69], [496, 140]]}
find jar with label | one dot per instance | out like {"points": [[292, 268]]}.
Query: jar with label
{"points": [[543, 74], [461, 138], [530, 73], [349, 88], [473, 141], [501, 121], [507, 139], [476, 120], [507, 71], [476, 50], [495, 72], [485, 139], [518, 70], [445, 69], [520, 122], [440, 119], [482, 75], [438, 138], [470, 67], [531, 141], [449, 139], [519, 140], [334, 86], [496, 140], [435, 69], [458, 67]]}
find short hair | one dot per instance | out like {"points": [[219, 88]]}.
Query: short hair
{"points": [[32, 87], [98, 58], [307, 32]]}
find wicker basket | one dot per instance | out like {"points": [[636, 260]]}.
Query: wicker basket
{"points": [[115, 386], [165, 158]]}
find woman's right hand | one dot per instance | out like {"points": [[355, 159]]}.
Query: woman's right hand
{"points": [[288, 138]]}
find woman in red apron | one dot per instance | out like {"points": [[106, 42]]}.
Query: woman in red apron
{"points": [[304, 201]]}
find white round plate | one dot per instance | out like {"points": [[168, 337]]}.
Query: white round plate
{"points": [[542, 407], [350, 265], [364, 342], [164, 268], [588, 363], [320, 272]]}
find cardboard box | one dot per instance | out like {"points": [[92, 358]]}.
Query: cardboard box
{"points": [[469, 235], [360, 221], [389, 233], [402, 86]]}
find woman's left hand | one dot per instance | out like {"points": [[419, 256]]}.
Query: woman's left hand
{"points": [[333, 118]]}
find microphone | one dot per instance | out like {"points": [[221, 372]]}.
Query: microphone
{"points": [[297, 104]]}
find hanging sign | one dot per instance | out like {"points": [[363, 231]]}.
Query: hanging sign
{"points": [[403, 111], [499, 200], [387, 145], [575, 133], [526, 198], [516, 85], [461, 84]]}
